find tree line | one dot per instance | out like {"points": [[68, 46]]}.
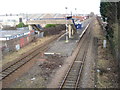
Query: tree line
{"points": [[110, 12]]}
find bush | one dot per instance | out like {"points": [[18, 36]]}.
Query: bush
{"points": [[21, 24], [50, 25]]}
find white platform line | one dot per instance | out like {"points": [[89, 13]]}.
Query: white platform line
{"points": [[84, 31]]}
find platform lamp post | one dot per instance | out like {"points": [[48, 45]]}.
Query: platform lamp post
{"points": [[76, 13], [66, 27]]}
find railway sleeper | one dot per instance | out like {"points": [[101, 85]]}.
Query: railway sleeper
{"points": [[9, 70], [14, 66], [17, 65], [78, 61], [73, 74], [5, 73], [4, 76], [69, 85], [21, 63], [74, 71], [71, 79], [76, 66]]}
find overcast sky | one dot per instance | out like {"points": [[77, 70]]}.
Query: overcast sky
{"points": [[49, 6]]}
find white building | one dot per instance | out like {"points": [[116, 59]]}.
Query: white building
{"points": [[10, 21]]}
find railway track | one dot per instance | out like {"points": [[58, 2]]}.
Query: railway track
{"points": [[6, 71], [73, 75]]}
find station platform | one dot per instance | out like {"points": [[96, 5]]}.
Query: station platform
{"points": [[64, 48]]}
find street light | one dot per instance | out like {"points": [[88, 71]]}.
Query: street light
{"points": [[66, 26]]}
